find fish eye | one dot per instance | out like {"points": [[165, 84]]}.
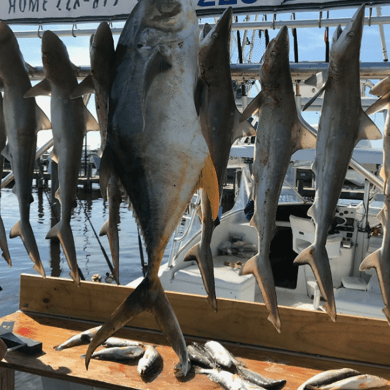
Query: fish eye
{"points": [[273, 53], [140, 45], [350, 34]]}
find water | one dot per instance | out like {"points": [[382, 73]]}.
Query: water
{"points": [[89, 254]]}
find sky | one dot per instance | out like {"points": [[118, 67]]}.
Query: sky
{"points": [[310, 40]]}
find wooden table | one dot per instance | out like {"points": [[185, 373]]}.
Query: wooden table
{"points": [[53, 329]]}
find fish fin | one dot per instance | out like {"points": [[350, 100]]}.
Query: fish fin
{"points": [[90, 121], [382, 216], [58, 194], [371, 261], [209, 182], [199, 94], [104, 229], [85, 87], [53, 156], [381, 88], [318, 80], [318, 260], [1, 86], [367, 128], [14, 190], [302, 136], [105, 171], [15, 230], [64, 233], [43, 88], [314, 98], [242, 128], [265, 281], [252, 222], [148, 296], [380, 104], [205, 30], [74, 67], [6, 153], [311, 212], [203, 256], [253, 107], [43, 122]]}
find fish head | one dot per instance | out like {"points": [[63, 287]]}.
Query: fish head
{"points": [[346, 43], [54, 56], [101, 47], [275, 60], [6, 33]]}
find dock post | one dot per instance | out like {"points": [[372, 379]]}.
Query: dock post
{"points": [[7, 379]]}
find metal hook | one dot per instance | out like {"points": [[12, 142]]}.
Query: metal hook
{"points": [[320, 20], [74, 27], [369, 17], [273, 22], [110, 23], [40, 28], [292, 17]]}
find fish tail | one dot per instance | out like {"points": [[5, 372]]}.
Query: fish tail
{"points": [[317, 258], [111, 231], [64, 233], [3, 244], [150, 296], [202, 255], [375, 260], [265, 280], [24, 231]]}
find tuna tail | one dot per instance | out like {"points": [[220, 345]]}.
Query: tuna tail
{"points": [[265, 280], [112, 233], [3, 244], [201, 253], [318, 260], [64, 233], [375, 260], [148, 296], [23, 229]]}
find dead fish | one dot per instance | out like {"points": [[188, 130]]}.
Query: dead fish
{"points": [[3, 138], [281, 132], [150, 361], [153, 107], [221, 355], [23, 118], [380, 258], [98, 82], [330, 376], [200, 355], [118, 353], [355, 382], [116, 342], [79, 339], [260, 380], [220, 124], [70, 122]]}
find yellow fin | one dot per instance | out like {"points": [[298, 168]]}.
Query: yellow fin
{"points": [[209, 182]]}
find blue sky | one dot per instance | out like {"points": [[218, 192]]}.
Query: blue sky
{"points": [[311, 48]]}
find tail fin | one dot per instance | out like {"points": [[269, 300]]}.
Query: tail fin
{"points": [[375, 260], [265, 280], [23, 229], [113, 238], [318, 260], [150, 296], [202, 255], [64, 233], [3, 244]]}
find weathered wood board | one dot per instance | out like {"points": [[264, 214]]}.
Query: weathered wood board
{"points": [[350, 337], [69, 365]]}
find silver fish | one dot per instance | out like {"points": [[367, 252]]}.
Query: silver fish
{"points": [[343, 123], [220, 354], [153, 109], [102, 58], [221, 127], [380, 258], [23, 118], [118, 353], [260, 380], [3, 138], [327, 377], [149, 361], [79, 339], [70, 120], [354, 383], [116, 342], [281, 132], [200, 355]]}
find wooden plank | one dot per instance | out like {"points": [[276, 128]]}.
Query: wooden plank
{"points": [[351, 337], [68, 364], [7, 379]]}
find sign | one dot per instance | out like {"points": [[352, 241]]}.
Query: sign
{"points": [[67, 11]]}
